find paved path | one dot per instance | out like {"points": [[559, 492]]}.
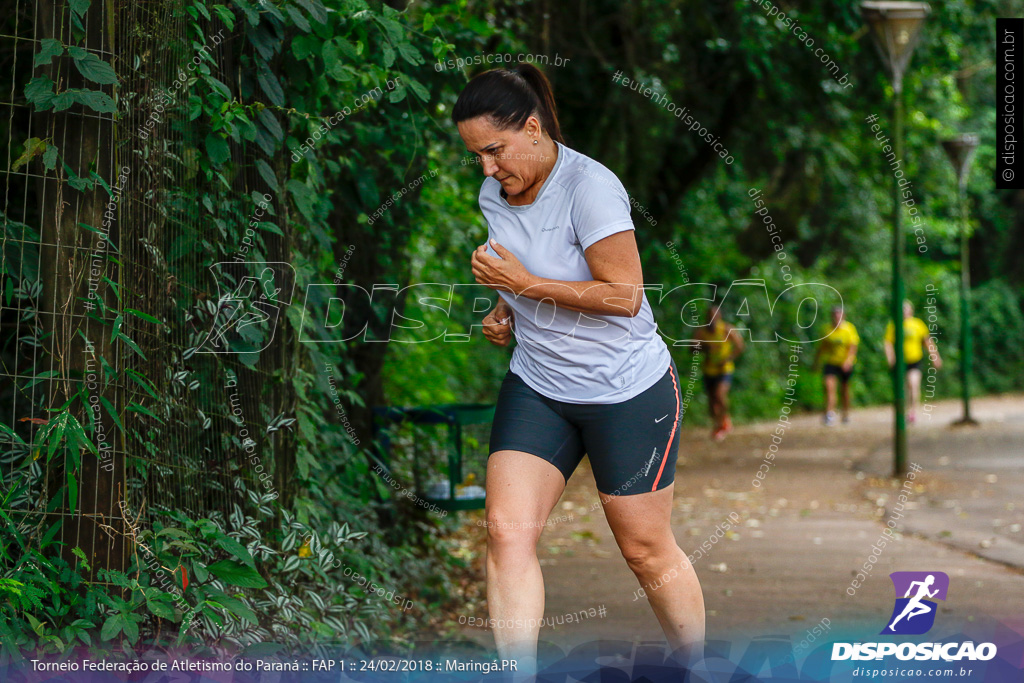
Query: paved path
{"points": [[802, 535]]}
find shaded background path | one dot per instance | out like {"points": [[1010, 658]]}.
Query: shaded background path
{"points": [[804, 533]]}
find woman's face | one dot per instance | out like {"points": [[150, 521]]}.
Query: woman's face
{"points": [[508, 156]]}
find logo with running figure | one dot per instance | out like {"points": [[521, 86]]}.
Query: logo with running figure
{"points": [[914, 613]]}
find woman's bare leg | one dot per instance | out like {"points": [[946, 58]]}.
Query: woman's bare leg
{"points": [[642, 528], [522, 489], [914, 384], [830, 394], [722, 394]]}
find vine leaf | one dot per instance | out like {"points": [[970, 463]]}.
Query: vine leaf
{"points": [[398, 94], [304, 46], [237, 574], [265, 41], [219, 87], [72, 491], [249, 11], [141, 381], [33, 147], [226, 16], [410, 53], [303, 198], [112, 626], [160, 608], [92, 67], [136, 408], [417, 88], [50, 48], [316, 10], [236, 607], [50, 157], [112, 413], [270, 85], [267, 174], [78, 7], [94, 99], [145, 316], [440, 48], [333, 52], [63, 101], [39, 92], [298, 18], [202, 9], [235, 548], [217, 148]]}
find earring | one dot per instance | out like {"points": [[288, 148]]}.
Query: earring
{"points": [[536, 142]]}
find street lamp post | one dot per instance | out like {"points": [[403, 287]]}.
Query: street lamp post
{"points": [[896, 27], [960, 151]]}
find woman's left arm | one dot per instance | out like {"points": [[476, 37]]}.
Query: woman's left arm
{"points": [[613, 261]]}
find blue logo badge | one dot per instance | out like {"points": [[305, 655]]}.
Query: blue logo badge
{"points": [[914, 613]]}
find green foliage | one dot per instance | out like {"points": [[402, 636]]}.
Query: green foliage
{"points": [[997, 327], [237, 577]]}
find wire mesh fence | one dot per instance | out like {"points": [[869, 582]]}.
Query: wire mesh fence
{"points": [[134, 371]]}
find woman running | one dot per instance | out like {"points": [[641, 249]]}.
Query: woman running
{"points": [[589, 374], [721, 345], [916, 340], [839, 351]]}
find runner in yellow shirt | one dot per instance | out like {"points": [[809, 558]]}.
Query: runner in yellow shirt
{"points": [[839, 352], [721, 344], [916, 339]]}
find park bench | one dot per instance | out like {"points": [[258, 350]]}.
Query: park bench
{"points": [[454, 489]]}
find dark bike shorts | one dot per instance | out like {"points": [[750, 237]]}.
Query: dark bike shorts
{"points": [[632, 445], [711, 382], [838, 371]]}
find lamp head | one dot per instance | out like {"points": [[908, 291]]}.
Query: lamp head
{"points": [[895, 28], [960, 150]]}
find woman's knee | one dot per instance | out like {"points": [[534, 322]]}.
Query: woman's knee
{"points": [[510, 533], [646, 555]]}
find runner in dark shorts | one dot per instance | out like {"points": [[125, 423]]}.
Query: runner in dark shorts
{"points": [[918, 343], [589, 373], [721, 345], [838, 350]]}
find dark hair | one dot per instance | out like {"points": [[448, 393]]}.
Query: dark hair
{"points": [[509, 97]]}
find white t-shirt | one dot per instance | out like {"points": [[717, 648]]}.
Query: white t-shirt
{"points": [[562, 354]]}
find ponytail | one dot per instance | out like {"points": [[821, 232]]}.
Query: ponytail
{"points": [[546, 99], [509, 97]]}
